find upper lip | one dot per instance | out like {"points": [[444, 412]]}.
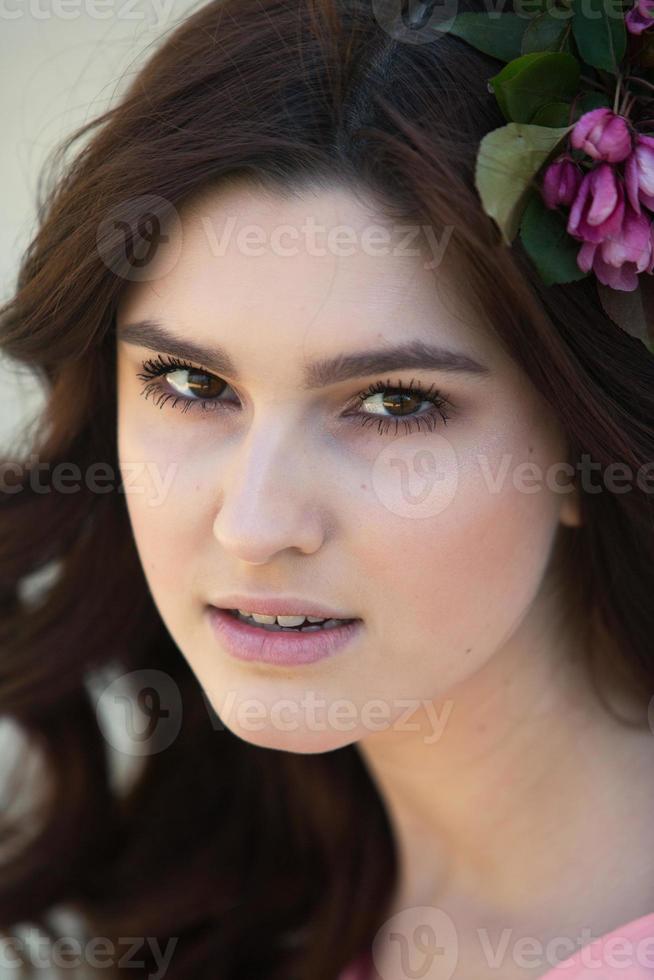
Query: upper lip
{"points": [[280, 606]]}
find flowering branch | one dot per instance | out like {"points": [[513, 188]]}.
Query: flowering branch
{"points": [[572, 172]]}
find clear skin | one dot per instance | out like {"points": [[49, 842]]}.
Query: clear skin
{"points": [[281, 496]]}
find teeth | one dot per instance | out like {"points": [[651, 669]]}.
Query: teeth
{"points": [[288, 622], [280, 620]]}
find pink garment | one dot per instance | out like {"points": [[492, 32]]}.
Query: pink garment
{"points": [[625, 953]]}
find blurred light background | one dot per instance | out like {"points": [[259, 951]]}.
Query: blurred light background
{"points": [[63, 62]]}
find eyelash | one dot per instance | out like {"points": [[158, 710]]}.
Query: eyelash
{"points": [[153, 369]]}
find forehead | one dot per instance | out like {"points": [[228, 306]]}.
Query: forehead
{"points": [[245, 263]]}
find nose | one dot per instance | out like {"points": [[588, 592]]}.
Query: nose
{"points": [[268, 499]]}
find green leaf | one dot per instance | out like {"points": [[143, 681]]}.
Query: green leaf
{"points": [[567, 45], [566, 113], [600, 33], [626, 308], [530, 8], [554, 114], [544, 236], [500, 37], [507, 162], [543, 33], [588, 101], [534, 80]]}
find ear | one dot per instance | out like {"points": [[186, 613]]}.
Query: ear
{"points": [[570, 513]]}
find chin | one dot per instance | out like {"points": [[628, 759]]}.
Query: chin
{"points": [[302, 741]]}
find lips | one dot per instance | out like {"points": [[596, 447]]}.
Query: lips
{"points": [[286, 647], [281, 606]]}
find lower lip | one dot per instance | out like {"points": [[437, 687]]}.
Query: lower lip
{"points": [[286, 649]]}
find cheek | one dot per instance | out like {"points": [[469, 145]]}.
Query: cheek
{"points": [[455, 586], [160, 487]]}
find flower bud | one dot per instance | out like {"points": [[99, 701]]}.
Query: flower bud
{"points": [[639, 173], [561, 182], [618, 260], [603, 135], [598, 208], [640, 17]]}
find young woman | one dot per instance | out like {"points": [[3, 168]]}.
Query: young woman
{"points": [[292, 371]]}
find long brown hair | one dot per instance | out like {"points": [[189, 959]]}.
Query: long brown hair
{"points": [[265, 865]]}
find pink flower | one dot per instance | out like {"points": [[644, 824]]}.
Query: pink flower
{"points": [[603, 135], [561, 182], [639, 173], [598, 208], [640, 17], [619, 258]]}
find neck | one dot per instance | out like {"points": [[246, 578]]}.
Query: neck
{"points": [[527, 803]]}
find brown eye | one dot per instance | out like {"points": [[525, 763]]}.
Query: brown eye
{"points": [[198, 383], [183, 385], [384, 403], [405, 403]]}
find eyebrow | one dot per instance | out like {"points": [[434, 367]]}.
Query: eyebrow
{"points": [[320, 373]]}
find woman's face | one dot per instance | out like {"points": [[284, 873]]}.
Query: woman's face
{"points": [[266, 478]]}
